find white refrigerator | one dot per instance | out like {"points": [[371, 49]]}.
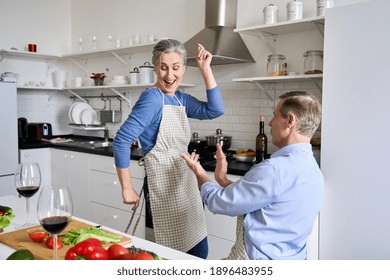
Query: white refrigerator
{"points": [[355, 151], [9, 135]]}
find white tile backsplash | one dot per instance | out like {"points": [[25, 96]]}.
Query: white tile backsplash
{"points": [[244, 103]]}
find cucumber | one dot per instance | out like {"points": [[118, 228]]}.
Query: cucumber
{"points": [[22, 254]]}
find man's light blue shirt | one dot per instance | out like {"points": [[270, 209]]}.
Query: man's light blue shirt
{"points": [[281, 198]]}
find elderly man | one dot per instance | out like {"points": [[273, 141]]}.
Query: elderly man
{"points": [[278, 199]]}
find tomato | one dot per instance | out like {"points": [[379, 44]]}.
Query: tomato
{"points": [[128, 256], [71, 254], [50, 242], [89, 249], [143, 256], [98, 254], [87, 246], [37, 236], [250, 151], [1, 213], [116, 251]]}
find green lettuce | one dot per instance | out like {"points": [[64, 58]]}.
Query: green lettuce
{"points": [[75, 236], [6, 217]]}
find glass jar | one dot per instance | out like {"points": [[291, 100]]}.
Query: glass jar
{"points": [[313, 62], [276, 65]]}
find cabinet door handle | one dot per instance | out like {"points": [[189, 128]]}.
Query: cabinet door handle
{"points": [[72, 156], [114, 217], [27, 155], [115, 183]]}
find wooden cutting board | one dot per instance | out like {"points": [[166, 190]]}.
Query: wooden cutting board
{"points": [[19, 240]]}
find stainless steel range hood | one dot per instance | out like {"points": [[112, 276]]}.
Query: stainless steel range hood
{"points": [[218, 36]]}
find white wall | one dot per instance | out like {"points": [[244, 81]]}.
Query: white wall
{"points": [[46, 23], [64, 20]]}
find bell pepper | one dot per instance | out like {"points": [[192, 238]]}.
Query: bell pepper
{"points": [[89, 249]]}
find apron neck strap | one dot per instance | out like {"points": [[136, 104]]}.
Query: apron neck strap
{"points": [[174, 95]]}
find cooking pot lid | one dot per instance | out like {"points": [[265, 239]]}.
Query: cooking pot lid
{"points": [[195, 138], [218, 134]]}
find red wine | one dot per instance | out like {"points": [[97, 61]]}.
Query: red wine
{"points": [[28, 191], [55, 224], [261, 143]]}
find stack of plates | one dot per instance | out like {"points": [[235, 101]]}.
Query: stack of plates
{"points": [[120, 80], [82, 113]]}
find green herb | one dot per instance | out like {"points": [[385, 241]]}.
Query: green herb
{"points": [[75, 236]]}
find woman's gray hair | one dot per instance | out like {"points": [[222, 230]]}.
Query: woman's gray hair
{"points": [[169, 46], [305, 107]]}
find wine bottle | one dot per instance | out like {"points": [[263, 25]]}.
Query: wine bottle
{"points": [[261, 143]]}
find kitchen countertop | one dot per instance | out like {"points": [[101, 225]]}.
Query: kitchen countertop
{"points": [[18, 206], [234, 167]]}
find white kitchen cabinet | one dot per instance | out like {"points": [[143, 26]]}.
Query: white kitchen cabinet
{"points": [[221, 229], [72, 169], [107, 207], [42, 157]]}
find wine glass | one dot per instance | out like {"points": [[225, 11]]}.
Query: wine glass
{"points": [[55, 208], [27, 183]]}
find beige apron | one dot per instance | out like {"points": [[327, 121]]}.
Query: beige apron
{"points": [[238, 251], [178, 216]]}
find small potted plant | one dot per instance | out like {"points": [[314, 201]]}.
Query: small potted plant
{"points": [[98, 78]]}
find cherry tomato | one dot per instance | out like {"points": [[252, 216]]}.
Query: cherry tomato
{"points": [[98, 253], [37, 236], [50, 243], [1, 213], [116, 251], [143, 256]]}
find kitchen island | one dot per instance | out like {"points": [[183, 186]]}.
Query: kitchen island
{"points": [[18, 206]]}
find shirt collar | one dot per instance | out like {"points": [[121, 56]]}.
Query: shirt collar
{"points": [[291, 148]]}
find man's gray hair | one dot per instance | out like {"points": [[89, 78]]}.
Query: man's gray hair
{"points": [[305, 107]]}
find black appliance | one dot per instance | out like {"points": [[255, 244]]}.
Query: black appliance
{"points": [[37, 131]]}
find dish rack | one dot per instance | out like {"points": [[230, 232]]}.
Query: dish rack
{"points": [[104, 116]]}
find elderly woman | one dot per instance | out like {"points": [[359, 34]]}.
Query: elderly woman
{"points": [[159, 120]]}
